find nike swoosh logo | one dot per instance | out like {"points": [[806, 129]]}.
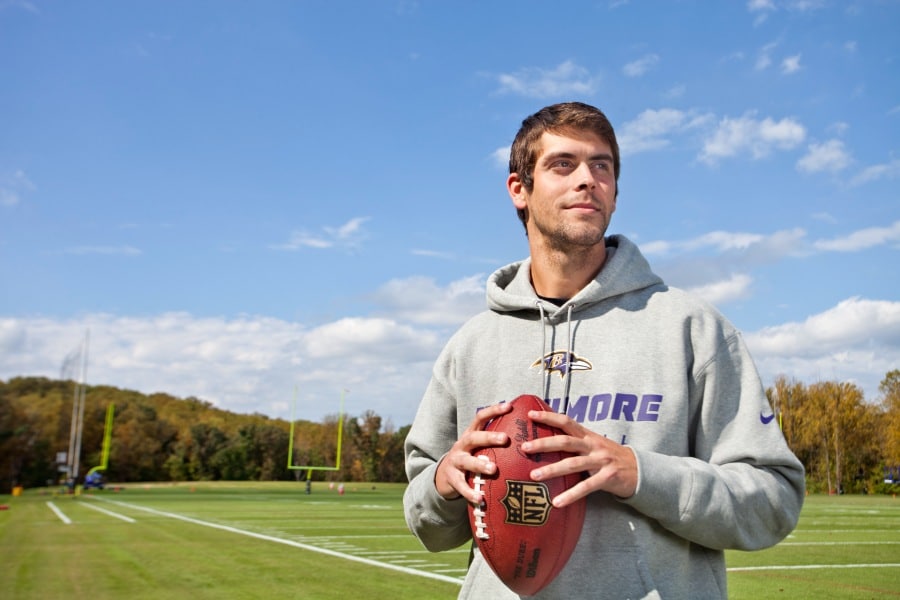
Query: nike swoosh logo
{"points": [[766, 419]]}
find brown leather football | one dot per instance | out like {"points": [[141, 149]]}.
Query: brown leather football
{"points": [[524, 539]]}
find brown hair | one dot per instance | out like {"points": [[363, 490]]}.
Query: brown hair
{"points": [[560, 118]]}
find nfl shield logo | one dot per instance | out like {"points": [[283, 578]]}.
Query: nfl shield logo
{"points": [[527, 503]]}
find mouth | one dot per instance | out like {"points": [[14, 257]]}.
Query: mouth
{"points": [[583, 207]]}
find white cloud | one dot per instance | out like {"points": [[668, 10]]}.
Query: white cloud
{"points": [[735, 287], [253, 363], [640, 67], [106, 250], [762, 8], [764, 57], [719, 241], [500, 157], [862, 239], [13, 186], [747, 134], [433, 254], [348, 235], [675, 92], [724, 241], [534, 82], [889, 170], [717, 265], [760, 5], [652, 129], [756, 247], [348, 230], [829, 156], [805, 5], [790, 65], [858, 340], [422, 301]]}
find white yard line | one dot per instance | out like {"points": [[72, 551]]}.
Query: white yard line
{"points": [[59, 513], [269, 538], [799, 567], [109, 512], [884, 543]]}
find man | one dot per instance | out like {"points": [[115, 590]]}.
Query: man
{"points": [[656, 394]]}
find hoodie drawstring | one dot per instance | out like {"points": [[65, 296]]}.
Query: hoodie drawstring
{"points": [[569, 357], [564, 405]]}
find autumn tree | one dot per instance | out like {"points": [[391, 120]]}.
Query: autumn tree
{"points": [[890, 404], [365, 432]]}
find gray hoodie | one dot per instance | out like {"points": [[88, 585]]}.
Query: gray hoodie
{"points": [[647, 366]]}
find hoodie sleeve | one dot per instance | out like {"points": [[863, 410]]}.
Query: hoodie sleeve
{"points": [[439, 524], [742, 488]]}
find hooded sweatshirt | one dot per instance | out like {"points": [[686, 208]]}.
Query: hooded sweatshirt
{"points": [[647, 366]]}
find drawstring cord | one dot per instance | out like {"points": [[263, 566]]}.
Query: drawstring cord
{"points": [[545, 379], [569, 355]]}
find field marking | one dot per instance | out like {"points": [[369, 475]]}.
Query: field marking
{"points": [[60, 514], [269, 538], [804, 567], [887, 542], [110, 513]]}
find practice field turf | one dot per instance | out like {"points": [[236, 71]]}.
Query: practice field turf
{"points": [[272, 540]]}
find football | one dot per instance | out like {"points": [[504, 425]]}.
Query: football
{"points": [[524, 539]]}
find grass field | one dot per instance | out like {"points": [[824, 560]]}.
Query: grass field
{"points": [[272, 540]]}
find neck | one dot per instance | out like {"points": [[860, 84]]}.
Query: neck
{"points": [[556, 274]]}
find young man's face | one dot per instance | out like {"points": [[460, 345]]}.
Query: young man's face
{"points": [[574, 192]]}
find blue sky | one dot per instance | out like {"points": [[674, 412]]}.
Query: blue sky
{"points": [[252, 202]]}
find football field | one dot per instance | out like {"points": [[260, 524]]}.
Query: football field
{"points": [[267, 540]]}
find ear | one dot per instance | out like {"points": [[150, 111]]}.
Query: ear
{"points": [[516, 190]]}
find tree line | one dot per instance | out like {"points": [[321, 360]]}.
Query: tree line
{"points": [[845, 443], [158, 437]]}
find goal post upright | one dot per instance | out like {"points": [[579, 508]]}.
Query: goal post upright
{"points": [[310, 468], [107, 439]]}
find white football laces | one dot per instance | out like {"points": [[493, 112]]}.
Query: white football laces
{"points": [[479, 511]]}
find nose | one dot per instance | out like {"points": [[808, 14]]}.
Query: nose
{"points": [[586, 180]]}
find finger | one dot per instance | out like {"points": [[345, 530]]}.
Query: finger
{"points": [[573, 494], [555, 443], [554, 419], [479, 467], [483, 416], [566, 466]]}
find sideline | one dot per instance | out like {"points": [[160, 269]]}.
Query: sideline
{"points": [[269, 538]]}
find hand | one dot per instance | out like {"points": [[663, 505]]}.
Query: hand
{"points": [[611, 467], [450, 477]]}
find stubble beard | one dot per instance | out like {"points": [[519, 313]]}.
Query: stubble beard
{"points": [[572, 239]]}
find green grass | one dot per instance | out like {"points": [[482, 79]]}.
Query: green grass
{"points": [[825, 556], [257, 540]]}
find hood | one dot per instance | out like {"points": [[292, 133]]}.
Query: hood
{"points": [[626, 270]]}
